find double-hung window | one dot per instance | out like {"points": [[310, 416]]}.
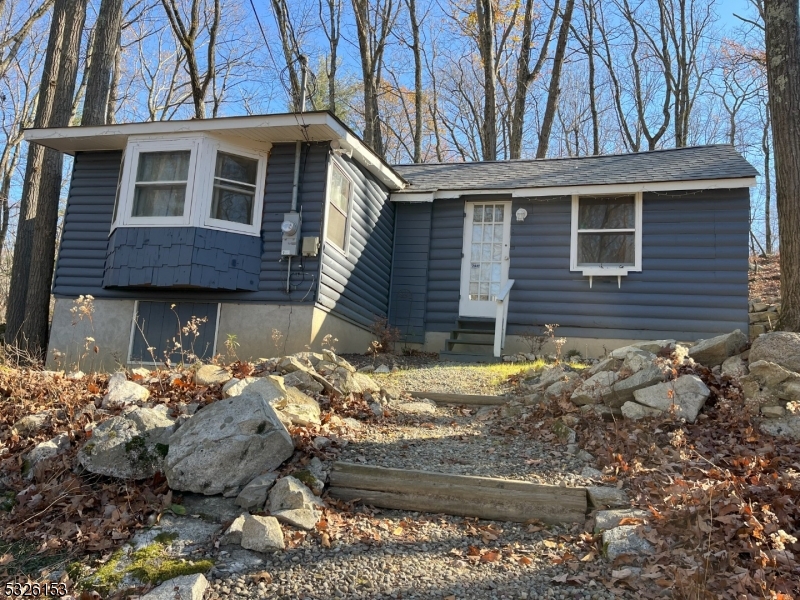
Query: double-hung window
{"points": [[196, 181], [606, 234], [338, 208]]}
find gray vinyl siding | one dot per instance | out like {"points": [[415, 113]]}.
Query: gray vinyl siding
{"points": [[693, 282], [87, 225], [158, 323], [355, 284], [409, 289]]}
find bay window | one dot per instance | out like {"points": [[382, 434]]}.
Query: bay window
{"points": [[197, 181]]}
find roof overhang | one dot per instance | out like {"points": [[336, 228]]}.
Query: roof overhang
{"points": [[319, 126], [618, 188]]}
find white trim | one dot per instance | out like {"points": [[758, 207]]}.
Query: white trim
{"points": [[290, 127], [588, 190], [482, 308], [216, 331], [348, 217], [133, 331], [598, 271]]}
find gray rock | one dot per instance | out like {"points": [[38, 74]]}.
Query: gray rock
{"points": [[594, 389], [31, 425], [625, 540], [658, 347], [420, 407], [211, 375], [300, 409], [303, 381], [290, 364], [262, 534], [769, 382], [381, 369], [601, 410], [211, 509], [563, 432], [367, 369], [376, 409], [635, 411], [185, 587], [779, 347], [584, 456], [270, 388], [233, 534], [638, 359], [687, 394], [130, 446], [289, 493], [254, 494], [622, 353], [622, 391], [331, 356], [352, 383], [549, 375], [610, 497], [608, 519], [786, 427], [226, 444], [76, 375], [607, 364], [124, 393], [563, 387], [591, 473], [773, 412], [734, 366], [45, 450], [300, 518], [714, 351]]}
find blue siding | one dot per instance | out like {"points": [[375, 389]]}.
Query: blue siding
{"points": [[409, 290], [355, 285], [158, 326], [87, 224], [693, 282], [182, 257]]}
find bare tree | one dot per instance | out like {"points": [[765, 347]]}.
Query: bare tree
{"points": [[291, 49], [417, 52], [782, 19], [331, 26], [199, 19], [105, 45], [17, 32], [484, 16]]}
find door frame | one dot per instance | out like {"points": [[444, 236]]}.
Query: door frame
{"points": [[473, 308]]}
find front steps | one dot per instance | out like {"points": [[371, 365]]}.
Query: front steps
{"points": [[471, 341]]}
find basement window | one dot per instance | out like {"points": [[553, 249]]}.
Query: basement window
{"points": [[606, 234], [196, 181]]}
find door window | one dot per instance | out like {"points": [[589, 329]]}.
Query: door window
{"points": [[486, 251]]}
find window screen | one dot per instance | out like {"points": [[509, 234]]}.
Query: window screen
{"points": [[160, 325]]}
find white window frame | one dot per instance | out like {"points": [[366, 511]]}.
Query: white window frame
{"points": [[329, 205], [199, 186], [600, 271]]}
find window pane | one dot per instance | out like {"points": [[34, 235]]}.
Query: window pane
{"points": [[236, 168], [607, 213], [229, 203], [498, 233], [340, 190], [488, 213], [475, 255], [163, 166], [477, 213], [608, 249], [487, 233], [337, 227], [498, 213], [486, 253], [158, 200], [473, 291], [497, 250]]}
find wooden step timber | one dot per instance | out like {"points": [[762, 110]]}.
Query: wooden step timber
{"points": [[468, 399], [467, 496]]}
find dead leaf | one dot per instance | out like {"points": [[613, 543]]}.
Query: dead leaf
{"points": [[6, 558], [490, 556]]}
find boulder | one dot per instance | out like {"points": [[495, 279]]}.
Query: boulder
{"points": [[770, 383], [211, 375], [779, 347], [314, 476], [605, 496], [298, 408], [625, 540], [331, 356], [734, 366], [687, 394], [635, 411], [607, 364], [773, 412], [549, 375], [300, 518], [184, 587], [289, 493], [254, 494], [226, 444], [594, 389], [608, 519], [563, 386], [290, 364], [130, 446], [45, 450], [303, 381], [352, 383], [262, 534], [786, 427], [622, 390], [622, 353], [638, 359], [714, 351], [122, 392], [233, 534], [658, 347], [31, 425]]}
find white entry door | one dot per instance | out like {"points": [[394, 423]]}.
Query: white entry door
{"points": [[484, 267]]}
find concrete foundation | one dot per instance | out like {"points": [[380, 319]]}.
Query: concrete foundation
{"points": [[109, 326]]}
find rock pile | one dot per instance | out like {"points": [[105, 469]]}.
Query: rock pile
{"points": [[763, 315]]}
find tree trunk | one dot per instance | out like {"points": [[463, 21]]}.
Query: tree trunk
{"points": [[783, 76], [555, 81], [766, 149], [485, 18], [20, 269], [104, 50], [289, 46], [415, 46], [589, 9], [37, 309]]}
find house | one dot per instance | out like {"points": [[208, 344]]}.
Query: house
{"points": [[284, 232]]}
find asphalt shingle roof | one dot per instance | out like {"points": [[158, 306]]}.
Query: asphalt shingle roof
{"points": [[676, 164]]}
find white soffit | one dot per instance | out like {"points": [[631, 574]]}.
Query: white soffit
{"points": [[312, 127], [622, 188]]}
